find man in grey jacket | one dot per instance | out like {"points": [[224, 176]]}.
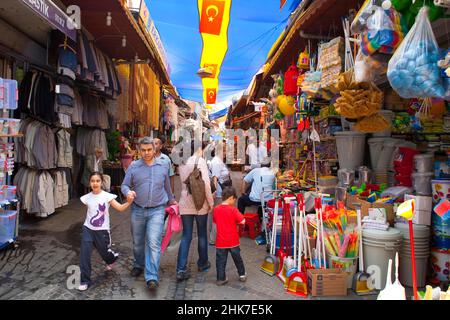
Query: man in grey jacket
{"points": [[147, 182]]}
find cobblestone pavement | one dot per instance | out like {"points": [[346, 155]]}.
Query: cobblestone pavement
{"points": [[36, 269]]}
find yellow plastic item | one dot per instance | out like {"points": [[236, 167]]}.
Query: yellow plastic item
{"points": [[286, 105], [406, 209]]}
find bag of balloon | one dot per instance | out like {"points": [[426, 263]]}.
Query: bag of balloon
{"points": [[413, 71]]}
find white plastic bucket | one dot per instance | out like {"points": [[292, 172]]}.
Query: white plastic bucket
{"points": [[440, 265], [421, 232], [389, 115], [350, 147], [348, 265], [378, 247], [386, 158], [376, 146], [424, 162], [422, 183], [440, 190], [405, 269]]}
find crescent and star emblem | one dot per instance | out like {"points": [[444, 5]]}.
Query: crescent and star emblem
{"points": [[211, 93], [215, 10]]}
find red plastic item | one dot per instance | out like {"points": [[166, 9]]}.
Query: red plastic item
{"points": [[252, 226], [271, 203], [405, 157], [404, 181], [404, 171], [290, 81]]}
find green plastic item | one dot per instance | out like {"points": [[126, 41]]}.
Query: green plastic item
{"points": [[383, 187], [410, 13], [278, 115], [401, 5]]}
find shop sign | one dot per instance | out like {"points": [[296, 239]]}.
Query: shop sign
{"points": [[144, 13], [158, 43], [53, 15]]}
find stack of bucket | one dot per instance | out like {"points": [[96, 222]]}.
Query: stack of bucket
{"points": [[422, 253], [350, 148], [423, 165], [440, 240], [403, 166], [378, 247]]}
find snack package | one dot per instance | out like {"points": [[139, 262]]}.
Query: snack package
{"points": [[413, 70]]}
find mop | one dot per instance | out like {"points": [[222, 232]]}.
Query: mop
{"points": [[285, 243], [269, 265]]}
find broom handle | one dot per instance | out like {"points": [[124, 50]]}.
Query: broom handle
{"points": [[323, 240], [413, 259], [358, 216], [274, 227], [295, 233]]}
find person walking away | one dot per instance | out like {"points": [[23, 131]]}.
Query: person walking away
{"points": [[226, 218], [93, 163], [220, 178], [261, 179], [190, 212], [160, 143], [147, 183], [96, 228]]}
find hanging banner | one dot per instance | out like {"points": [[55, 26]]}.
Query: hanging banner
{"points": [[282, 3], [211, 95], [212, 16]]}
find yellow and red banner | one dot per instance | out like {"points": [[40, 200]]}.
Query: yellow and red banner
{"points": [[214, 18]]}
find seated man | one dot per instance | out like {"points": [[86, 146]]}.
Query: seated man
{"points": [[262, 179]]}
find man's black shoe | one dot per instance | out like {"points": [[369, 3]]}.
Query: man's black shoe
{"points": [[205, 268], [136, 272], [152, 285], [181, 276]]}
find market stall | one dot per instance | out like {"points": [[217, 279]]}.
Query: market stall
{"points": [[364, 120]]}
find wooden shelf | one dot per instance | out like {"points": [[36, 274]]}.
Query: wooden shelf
{"points": [[11, 135]]}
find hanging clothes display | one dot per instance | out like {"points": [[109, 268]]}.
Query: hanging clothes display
{"points": [[65, 150], [88, 139]]}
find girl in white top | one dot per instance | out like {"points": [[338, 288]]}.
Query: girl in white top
{"points": [[96, 227]]}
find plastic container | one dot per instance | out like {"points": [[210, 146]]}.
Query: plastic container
{"points": [[7, 226], [420, 232], [328, 181], [404, 171], [14, 126], [350, 147], [405, 157], [405, 268], [389, 115], [375, 147], [386, 158], [10, 94], [422, 183], [347, 264], [11, 193], [378, 247], [440, 265], [381, 176], [440, 190], [424, 162]]}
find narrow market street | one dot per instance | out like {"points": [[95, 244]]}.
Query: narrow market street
{"points": [[37, 268]]}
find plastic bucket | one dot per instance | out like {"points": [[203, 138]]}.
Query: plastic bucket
{"points": [[7, 226], [389, 115], [378, 247], [404, 171], [424, 162], [405, 157], [403, 180], [405, 269], [440, 265], [440, 227], [375, 147], [422, 183], [348, 265], [440, 190], [385, 160], [350, 147]]}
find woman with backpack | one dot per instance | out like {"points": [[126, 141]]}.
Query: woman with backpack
{"points": [[195, 203]]}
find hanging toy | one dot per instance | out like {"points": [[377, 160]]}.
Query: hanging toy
{"points": [[303, 60], [290, 81], [287, 105]]}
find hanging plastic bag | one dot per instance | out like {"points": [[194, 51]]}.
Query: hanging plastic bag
{"points": [[385, 31], [360, 21], [369, 68], [413, 71]]}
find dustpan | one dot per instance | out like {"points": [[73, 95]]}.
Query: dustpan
{"points": [[270, 263], [361, 279], [392, 291]]}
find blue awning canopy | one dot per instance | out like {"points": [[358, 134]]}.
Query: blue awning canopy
{"points": [[254, 27]]}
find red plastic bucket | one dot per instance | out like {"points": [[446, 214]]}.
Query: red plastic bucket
{"points": [[405, 157], [404, 171]]}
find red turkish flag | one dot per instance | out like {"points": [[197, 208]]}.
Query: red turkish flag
{"points": [[282, 3], [212, 16], [211, 95]]}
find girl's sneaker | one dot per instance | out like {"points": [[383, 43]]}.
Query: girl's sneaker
{"points": [[83, 287], [243, 278]]}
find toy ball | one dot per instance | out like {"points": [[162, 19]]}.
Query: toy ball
{"points": [[287, 106], [386, 5], [279, 98]]}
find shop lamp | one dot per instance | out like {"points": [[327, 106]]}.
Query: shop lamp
{"points": [[124, 41], [108, 19]]}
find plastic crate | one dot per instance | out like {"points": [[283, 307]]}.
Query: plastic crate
{"points": [[7, 226]]}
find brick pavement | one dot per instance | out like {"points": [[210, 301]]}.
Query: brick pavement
{"points": [[37, 268]]}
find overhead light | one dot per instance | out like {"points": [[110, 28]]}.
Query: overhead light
{"points": [[108, 19], [124, 41], [136, 58]]}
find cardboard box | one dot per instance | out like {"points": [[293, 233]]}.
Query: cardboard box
{"points": [[327, 282], [420, 217], [365, 206], [421, 203]]}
